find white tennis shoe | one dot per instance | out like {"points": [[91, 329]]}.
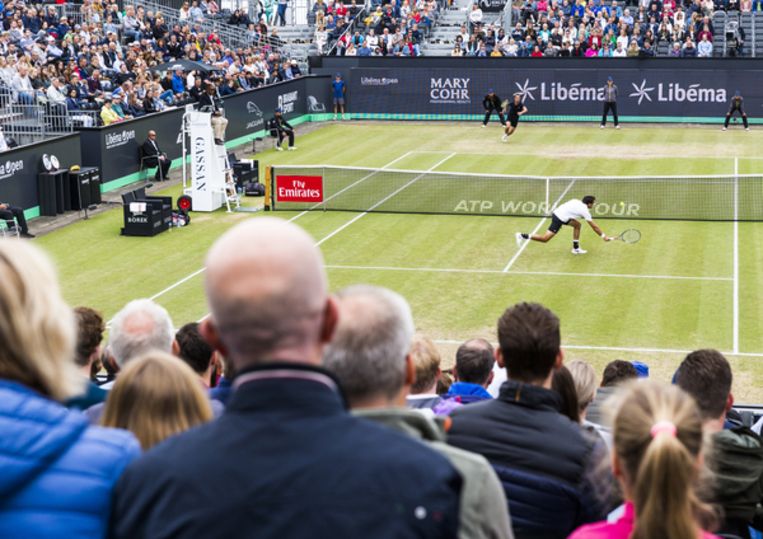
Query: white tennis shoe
{"points": [[578, 251], [504, 138]]}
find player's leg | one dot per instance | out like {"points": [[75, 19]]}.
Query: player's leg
{"points": [[576, 237], [556, 224], [502, 118], [603, 123], [488, 113], [744, 121], [613, 106], [726, 121], [336, 107]]}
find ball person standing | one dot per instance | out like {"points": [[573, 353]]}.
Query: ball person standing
{"points": [[610, 103]]}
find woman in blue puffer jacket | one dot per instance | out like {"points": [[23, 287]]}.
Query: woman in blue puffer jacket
{"points": [[56, 472]]}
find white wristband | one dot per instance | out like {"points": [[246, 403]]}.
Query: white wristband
{"points": [[603, 235]]}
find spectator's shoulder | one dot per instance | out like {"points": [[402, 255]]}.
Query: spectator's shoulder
{"points": [[110, 450]]}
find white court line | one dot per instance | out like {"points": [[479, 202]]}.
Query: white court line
{"points": [[636, 350], [385, 199], [201, 270], [541, 273], [526, 243], [735, 309]]}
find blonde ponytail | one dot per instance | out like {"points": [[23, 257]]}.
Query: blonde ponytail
{"points": [[658, 439]]}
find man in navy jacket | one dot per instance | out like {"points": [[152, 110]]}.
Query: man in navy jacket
{"points": [[286, 459], [542, 458]]}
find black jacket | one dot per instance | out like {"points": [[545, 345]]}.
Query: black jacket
{"points": [[491, 102], [209, 103], [541, 457], [149, 151], [279, 123], [286, 460]]}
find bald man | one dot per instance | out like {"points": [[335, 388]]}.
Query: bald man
{"points": [[285, 460], [154, 157]]}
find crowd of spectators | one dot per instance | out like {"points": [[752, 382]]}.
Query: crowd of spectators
{"points": [[105, 59], [290, 412], [596, 29], [389, 29]]}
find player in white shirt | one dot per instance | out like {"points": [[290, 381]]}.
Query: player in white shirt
{"points": [[568, 213]]}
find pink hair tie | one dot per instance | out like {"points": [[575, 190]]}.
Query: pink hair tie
{"points": [[663, 427]]}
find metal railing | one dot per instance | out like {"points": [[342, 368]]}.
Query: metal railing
{"points": [[27, 119], [350, 28], [230, 35]]}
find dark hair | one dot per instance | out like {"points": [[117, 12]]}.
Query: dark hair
{"points": [[617, 372], [90, 328], [563, 383], [589, 199], [474, 361], [529, 338], [706, 376], [193, 349]]}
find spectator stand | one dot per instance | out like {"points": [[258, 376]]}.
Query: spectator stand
{"points": [[447, 29], [732, 29]]}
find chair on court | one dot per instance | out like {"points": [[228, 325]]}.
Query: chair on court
{"points": [[9, 228]]}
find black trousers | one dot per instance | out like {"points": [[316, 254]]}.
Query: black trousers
{"points": [[284, 133], [489, 112], [12, 211], [730, 113], [162, 165], [607, 107]]}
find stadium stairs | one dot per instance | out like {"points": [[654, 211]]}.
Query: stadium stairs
{"points": [[440, 42]]}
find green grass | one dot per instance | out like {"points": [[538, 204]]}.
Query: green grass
{"points": [[671, 292]]}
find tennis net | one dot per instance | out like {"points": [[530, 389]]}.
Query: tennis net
{"points": [[702, 198]]}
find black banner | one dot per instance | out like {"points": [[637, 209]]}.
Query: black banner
{"points": [[19, 168], [680, 93], [115, 148]]}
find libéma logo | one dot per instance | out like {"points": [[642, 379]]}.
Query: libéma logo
{"points": [[9, 168], [449, 90], [557, 91], [674, 92], [378, 81], [114, 140]]}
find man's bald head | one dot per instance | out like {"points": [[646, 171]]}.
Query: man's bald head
{"points": [[268, 293]]}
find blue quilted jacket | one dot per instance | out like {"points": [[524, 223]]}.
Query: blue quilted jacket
{"points": [[56, 472]]}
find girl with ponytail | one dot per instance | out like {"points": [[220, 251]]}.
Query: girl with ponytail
{"points": [[657, 459]]}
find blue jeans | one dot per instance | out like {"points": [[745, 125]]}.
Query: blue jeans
{"points": [[167, 96], [282, 14]]}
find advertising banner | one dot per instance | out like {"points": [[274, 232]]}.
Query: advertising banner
{"points": [[115, 148], [290, 188], [677, 93], [19, 168]]}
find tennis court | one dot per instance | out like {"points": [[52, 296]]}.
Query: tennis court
{"points": [[685, 285]]}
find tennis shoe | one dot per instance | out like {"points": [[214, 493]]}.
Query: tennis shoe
{"points": [[483, 126], [292, 148], [724, 129], [279, 149], [601, 127], [520, 239], [505, 138], [578, 251], [617, 126], [746, 128]]}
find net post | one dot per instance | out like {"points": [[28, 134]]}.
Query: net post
{"points": [[269, 199], [548, 196]]}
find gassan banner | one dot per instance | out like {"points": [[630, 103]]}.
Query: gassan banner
{"points": [[677, 93]]}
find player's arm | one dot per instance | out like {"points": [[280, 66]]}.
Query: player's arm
{"points": [[523, 111], [599, 231]]}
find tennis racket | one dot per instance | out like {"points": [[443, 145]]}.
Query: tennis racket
{"points": [[629, 236], [505, 104]]}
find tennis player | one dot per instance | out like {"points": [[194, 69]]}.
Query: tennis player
{"points": [[570, 214], [736, 107], [515, 109]]}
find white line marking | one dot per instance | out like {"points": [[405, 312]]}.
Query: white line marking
{"points": [[526, 243], [637, 350], [551, 273], [382, 201], [735, 344]]}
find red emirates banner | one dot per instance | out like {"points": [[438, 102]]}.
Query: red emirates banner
{"points": [[299, 188]]}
